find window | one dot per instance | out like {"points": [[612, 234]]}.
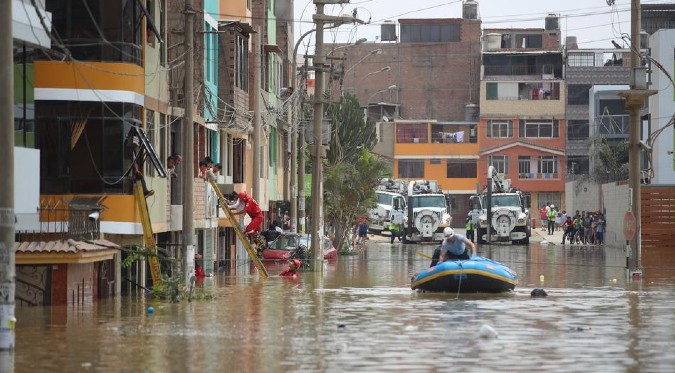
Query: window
{"points": [[151, 131], [500, 128], [500, 163], [539, 128], [577, 129], [241, 63], [577, 94], [581, 59], [491, 91], [162, 32], [238, 160], [524, 165], [453, 133], [579, 165], [82, 146], [429, 33], [83, 27], [529, 41], [411, 168], [461, 169], [24, 105], [548, 164], [412, 133]]}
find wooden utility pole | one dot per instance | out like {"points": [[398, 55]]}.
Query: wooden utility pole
{"points": [[188, 146], [7, 217], [256, 145]]}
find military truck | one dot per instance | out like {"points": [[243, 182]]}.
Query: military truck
{"points": [[503, 212]]}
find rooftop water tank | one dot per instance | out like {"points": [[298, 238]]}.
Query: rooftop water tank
{"points": [[470, 9], [551, 22], [493, 42], [571, 42]]}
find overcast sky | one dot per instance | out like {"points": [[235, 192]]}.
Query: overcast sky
{"points": [[593, 22]]}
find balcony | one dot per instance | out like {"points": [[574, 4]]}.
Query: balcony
{"points": [[613, 126], [538, 176]]}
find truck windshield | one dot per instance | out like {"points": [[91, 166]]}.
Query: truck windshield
{"points": [[504, 201], [384, 199], [428, 201]]}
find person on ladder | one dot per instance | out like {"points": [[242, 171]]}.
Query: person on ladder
{"points": [[252, 208]]}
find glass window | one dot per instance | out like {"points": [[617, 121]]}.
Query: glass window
{"points": [[577, 94], [581, 59], [24, 103], [83, 146], [100, 30], [539, 128], [461, 168], [241, 63], [500, 163], [411, 168], [523, 164], [577, 129], [529, 41], [491, 91], [412, 133], [500, 128], [548, 164]]}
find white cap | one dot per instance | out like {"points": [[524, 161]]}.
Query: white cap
{"points": [[448, 232]]}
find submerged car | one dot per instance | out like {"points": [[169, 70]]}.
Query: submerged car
{"points": [[296, 246]]}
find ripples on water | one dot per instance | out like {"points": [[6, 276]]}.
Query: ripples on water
{"points": [[362, 316]]}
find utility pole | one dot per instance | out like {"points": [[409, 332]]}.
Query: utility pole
{"points": [[7, 222], [257, 155], [635, 99], [317, 166], [188, 145]]}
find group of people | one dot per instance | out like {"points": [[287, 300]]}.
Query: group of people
{"points": [[585, 228]]}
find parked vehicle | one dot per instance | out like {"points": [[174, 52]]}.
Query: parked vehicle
{"points": [[296, 246], [427, 212], [503, 212], [390, 195]]}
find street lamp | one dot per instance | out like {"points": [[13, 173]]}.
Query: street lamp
{"points": [[360, 41], [393, 86], [298, 144], [365, 110], [386, 68], [374, 51]]}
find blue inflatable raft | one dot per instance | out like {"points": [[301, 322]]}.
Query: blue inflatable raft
{"points": [[479, 275]]}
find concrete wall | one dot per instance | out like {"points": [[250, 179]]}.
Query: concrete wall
{"points": [[616, 202], [612, 199]]}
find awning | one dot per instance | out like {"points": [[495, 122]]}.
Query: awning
{"points": [[64, 251], [269, 48]]}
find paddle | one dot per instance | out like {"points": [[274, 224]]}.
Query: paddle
{"points": [[425, 255]]}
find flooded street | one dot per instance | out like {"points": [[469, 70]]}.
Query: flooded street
{"points": [[362, 316]]}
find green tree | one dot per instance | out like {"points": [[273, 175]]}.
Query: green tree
{"points": [[351, 171]]}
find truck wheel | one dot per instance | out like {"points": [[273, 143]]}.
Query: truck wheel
{"points": [[481, 232], [525, 241]]}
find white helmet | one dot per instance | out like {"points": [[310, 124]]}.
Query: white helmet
{"points": [[448, 232], [552, 206]]}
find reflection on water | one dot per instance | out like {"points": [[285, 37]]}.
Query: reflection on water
{"points": [[361, 315]]}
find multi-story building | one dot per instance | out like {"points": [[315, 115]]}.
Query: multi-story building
{"points": [[423, 90], [522, 126], [592, 110], [662, 107]]}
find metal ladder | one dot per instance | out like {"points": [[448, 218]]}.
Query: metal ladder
{"points": [[148, 236], [252, 251]]}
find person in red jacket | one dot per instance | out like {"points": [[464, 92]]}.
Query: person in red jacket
{"points": [[292, 269], [252, 208]]}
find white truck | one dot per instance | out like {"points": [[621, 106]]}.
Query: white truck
{"points": [[390, 196], [427, 212], [502, 212]]}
